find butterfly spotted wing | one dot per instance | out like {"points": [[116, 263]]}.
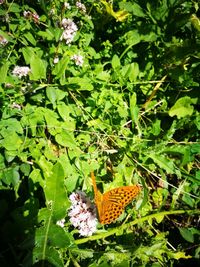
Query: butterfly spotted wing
{"points": [[111, 204]]}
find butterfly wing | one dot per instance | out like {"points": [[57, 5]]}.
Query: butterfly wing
{"points": [[114, 201]]}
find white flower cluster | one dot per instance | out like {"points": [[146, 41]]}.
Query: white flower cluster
{"points": [[70, 30], [21, 71], [78, 59], [81, 6], [82, 214]]}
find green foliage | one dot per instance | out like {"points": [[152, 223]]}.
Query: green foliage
{"points": [[118, 95]]}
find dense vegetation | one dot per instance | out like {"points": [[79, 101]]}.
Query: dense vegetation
{"points": [[104, 86]]}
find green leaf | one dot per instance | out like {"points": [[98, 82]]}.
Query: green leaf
{"points": [[38, 68], [55, 192], [115, 62], [30, 38], [187, 234], [183, 107], [132, 38], [163, 162], [50, 254], [66, 139], [133, 71], [11, 141], [179, 255], [61, 67], [11, 176], [59, 238], [54, 95], [81, 83], [3, 71], [134, 8], [156, 127]]}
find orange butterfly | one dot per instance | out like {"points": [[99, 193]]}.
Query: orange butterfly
{"points": [[111, 204]]}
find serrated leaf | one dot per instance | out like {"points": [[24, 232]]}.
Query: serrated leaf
{"points": [[163, 162], [179, 255], [183, 107]]}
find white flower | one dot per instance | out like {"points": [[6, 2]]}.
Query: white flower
{"points": [[70, 30], [78, 60], [56, 60], [15, 105], [67, 5], [82, 214], [81, 6], [3, 41], [30, 15], [61, 223], [20, 71]]}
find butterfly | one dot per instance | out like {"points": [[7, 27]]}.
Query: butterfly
{"points": [[111, 204]]}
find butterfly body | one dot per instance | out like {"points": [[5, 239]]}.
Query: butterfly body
{"points": [[111, 204]]}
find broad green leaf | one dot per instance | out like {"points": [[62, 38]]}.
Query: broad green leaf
{"points": [[30, 38], [49, 33], [183, 107], [11, 176], [59, 238], [54, 95], [15, 8], [115, 62], [187, 234], [66, 139], [11, 141], [132, 37], [133, 8], [38, 68], [81, 83], [28, 53], [103, 75], [195, 22], [51, 94], [25, 168], [61, 67], [55, 193], [156, 127], [50, 254], [45, 165], [37, 177], [12, 125], [3, 72], [133, 72]]}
